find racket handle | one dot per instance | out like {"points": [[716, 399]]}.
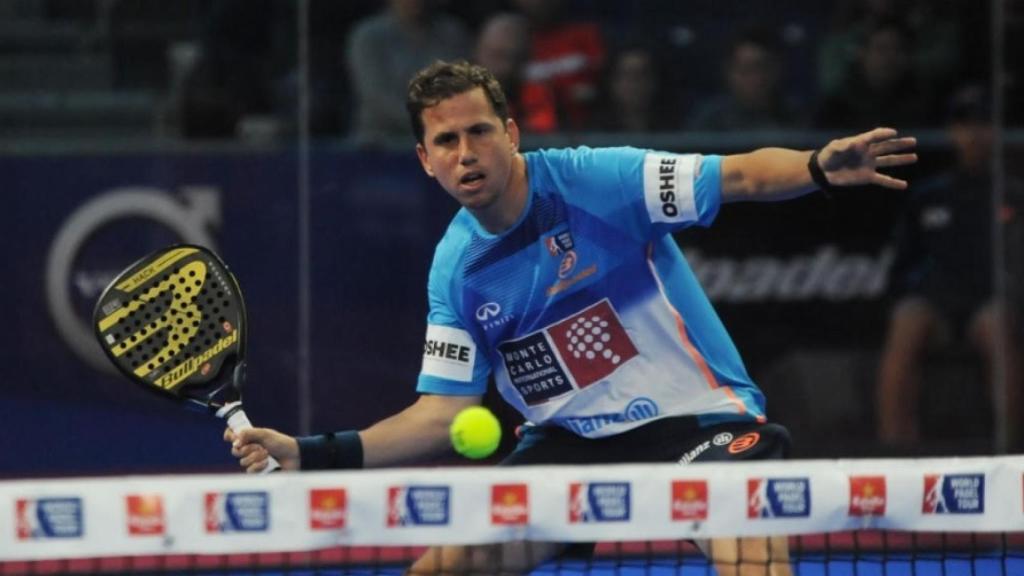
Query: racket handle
{"points": [[238, 421]]}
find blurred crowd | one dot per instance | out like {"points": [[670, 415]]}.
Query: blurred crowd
{"points": [[597, 65]]}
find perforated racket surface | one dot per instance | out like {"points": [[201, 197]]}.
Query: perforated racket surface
{"points": [[175, 323]]}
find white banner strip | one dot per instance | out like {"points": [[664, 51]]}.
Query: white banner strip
{"points": [[204, 514]]}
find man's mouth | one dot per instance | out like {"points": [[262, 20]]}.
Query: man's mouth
{"points": [[471, 178]]}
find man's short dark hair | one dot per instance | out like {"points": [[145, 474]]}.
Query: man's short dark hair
{"points": [[442, 80]]}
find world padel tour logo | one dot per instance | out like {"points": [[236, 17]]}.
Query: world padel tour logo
{"points": [[867, 496], [237, 512], [954, 494], [573, 353], [778, 498], [689, 500], [145, 514], [598, 502], [510, 504], [418, 506], [39, 518], [328, 508]]}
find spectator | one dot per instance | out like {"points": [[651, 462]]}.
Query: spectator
{"points": [[754, 100], [385, 51], [943, 279], [632, 96], [503, 47], [882, 89], [567, 57]]}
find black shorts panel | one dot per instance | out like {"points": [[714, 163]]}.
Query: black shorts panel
{"points": [[678, 439]]}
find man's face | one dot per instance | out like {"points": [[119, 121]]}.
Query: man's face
{"points": [[468, 149]]}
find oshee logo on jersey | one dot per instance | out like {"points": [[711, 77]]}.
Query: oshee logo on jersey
{"points": [[572, 353], [954, 494], [418, 506], [48, 518], [669, 187], [449, 353], [598, 502], [237, 512], [778, 498]]}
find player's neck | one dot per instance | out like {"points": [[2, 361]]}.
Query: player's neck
{"points": [[508, 207]]}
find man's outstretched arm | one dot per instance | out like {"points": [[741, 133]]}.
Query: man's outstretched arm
{"points": [[417, 433], [770, 174]]}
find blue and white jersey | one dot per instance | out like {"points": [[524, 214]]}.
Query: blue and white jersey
{"points": [[585, 310]]}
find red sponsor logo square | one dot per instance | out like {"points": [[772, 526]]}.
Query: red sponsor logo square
{"points": [[689, 500], [593, 343], [510, 504], [328, 508], [867, 496], [145, 514]]}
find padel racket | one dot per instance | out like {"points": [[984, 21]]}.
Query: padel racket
{"points": [[174, 322]]}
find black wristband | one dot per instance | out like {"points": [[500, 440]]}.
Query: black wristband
{"points": [[335, 450], [818, 175]]}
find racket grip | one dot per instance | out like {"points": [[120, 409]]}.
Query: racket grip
{"points": [[238, 421]]}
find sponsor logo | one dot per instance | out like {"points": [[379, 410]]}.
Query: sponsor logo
{"points": [[560, 243], [418, 506], [489, 316], [191, 215], [695, 452], [145, 514], [577, 351], [565, 284], [954, 494], [448, 353], [668, 187], [328, 508], [778, 498], [689, 500], [487, 311], [637, 410], [40, 518], [827, 274], [510, 504], [744, 443], [237, 512], [567, 265], [598, 502], [867, 496], [176, 375], [722, 438]]}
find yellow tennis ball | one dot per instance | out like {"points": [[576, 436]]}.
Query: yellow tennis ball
{"points": [[475, 432]]}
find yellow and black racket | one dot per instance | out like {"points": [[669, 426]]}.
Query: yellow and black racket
{"points": [[175, 323]]}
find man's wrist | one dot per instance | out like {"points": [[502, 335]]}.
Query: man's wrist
{"points": [[331, 451], [818, 175]]}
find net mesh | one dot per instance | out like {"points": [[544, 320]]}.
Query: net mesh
{"points": [[858, 518]]}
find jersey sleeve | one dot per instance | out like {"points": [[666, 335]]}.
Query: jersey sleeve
{"points": [[651, 192], [453, 363]]}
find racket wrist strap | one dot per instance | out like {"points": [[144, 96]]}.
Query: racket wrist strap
{"points": [[331, 451]]}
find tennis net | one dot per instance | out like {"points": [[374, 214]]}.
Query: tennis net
{"points": [[840, 517]]}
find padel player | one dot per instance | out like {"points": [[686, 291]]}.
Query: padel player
{"points": [[560, 277]]}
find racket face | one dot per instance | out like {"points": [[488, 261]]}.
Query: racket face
{"points": [[174, 322]]}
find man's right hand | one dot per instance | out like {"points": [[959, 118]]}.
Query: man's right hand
{"points": [[252, 446]]}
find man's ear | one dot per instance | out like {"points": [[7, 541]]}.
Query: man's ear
{"points": [[513, 133], [421, 153]]}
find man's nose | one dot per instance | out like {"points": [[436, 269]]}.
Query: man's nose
{"points": [[467, 155]]}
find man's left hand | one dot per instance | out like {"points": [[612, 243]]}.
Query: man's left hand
{"points": [[854, 161]]}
